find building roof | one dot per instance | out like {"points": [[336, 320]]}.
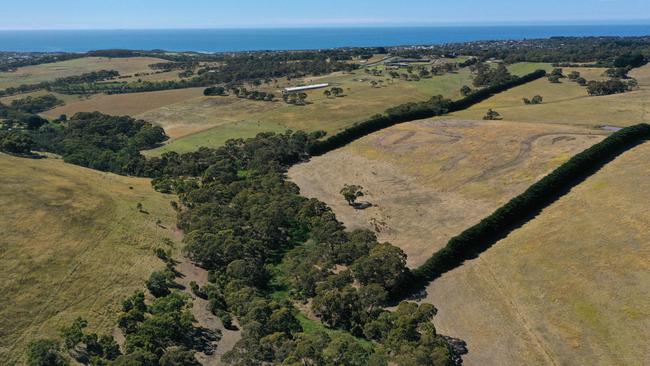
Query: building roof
{"points": [[306, 87]]}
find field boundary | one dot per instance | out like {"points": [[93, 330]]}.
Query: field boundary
{"points": [[414, 111], [525, 207]]}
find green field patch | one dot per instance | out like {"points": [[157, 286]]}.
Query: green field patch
{"points": [[216, 136]]}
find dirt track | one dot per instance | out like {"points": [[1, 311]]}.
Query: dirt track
{"points": [[191, 272]]}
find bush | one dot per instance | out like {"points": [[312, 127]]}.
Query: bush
{"points": [[491, 115]]}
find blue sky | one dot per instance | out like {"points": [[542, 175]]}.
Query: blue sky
{"points": [[119, 14]]}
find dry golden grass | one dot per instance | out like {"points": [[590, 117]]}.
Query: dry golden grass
{"points": [[568, 103], [124, 104], [429, 180], [72, 244], [568, 288], [49, 72], [203, 113], [360, 102]]}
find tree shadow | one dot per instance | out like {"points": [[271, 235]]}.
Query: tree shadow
{"points": [[204, 340], [361, 205]]}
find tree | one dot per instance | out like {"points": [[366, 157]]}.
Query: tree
{"points": [[159, 283], [45, 352], [73, 334], [617, 72], [491, 115], [138, 357], [351, 193], [301, 98], [465, 90], [537, 99], [573, 75], [554, 79], [385, 265], [15, 142], [327, 94], [344, 350], [526, 100], [248, 272], [34, 122], [581, 81], [557, 72], [179, 357]]}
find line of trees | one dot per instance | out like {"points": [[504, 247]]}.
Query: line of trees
{"points": [[613, 86], [65, 85]]}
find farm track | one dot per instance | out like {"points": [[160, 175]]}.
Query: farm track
{"points": [[205, 319], [524, 152]]}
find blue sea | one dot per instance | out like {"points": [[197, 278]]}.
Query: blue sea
{"points": [[224, 40]]}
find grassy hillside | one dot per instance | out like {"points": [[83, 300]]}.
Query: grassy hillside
{"points": [[570, 287], [51, 71], [429, 180], [73, 244]]}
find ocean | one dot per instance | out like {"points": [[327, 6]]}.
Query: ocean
{"points": [[225, 40]]}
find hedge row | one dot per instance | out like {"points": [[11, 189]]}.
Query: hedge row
{"points": [[482, 94], [436, 106], [470, 243]]}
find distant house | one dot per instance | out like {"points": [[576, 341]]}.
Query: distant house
{"points": [[397, 64], [297, 89], [411, 60]]}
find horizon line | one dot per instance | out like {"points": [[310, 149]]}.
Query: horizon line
{"points": [[514, 23]]}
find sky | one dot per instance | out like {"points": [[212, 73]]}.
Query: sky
{"points": [[150, 14]]}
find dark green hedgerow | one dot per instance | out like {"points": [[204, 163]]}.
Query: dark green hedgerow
{"points": [[436, 106], [470, 243]]}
